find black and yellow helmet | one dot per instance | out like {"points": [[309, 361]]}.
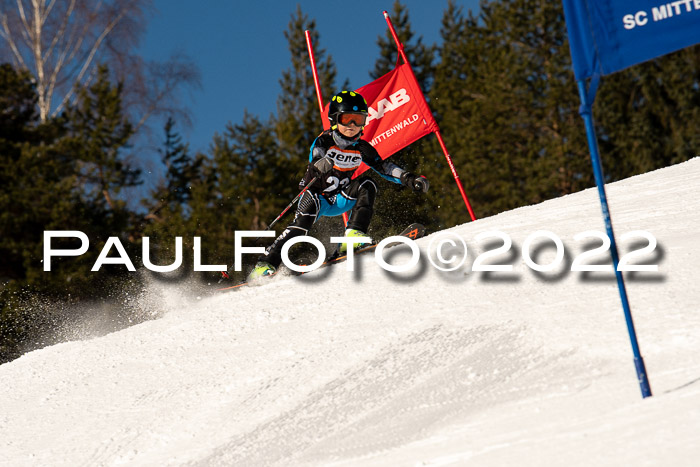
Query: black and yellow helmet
{"points": [[346, 102]]}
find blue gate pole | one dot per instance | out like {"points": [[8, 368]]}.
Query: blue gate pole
{"points": [[587, 114]]}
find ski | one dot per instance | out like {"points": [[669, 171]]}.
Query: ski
{"points": [[413, 231], [245, 282]]}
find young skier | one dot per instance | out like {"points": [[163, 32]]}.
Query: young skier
{"points": [[334, 157]]}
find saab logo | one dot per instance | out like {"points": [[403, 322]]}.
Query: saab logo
{"points": [[345, 160], [395, 101]]}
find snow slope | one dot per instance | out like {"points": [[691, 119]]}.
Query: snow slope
{"points": [[420, 368]]}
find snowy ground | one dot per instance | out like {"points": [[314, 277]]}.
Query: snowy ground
{"points": [[372, 368]]}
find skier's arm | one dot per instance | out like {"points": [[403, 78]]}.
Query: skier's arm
{"points": [[316, 153], [389, 171], [315, 169], [319, 162], [393, 172], [386, 169]]}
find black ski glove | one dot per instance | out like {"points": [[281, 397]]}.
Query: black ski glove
{"points": [[324, 165], [417, 183]]}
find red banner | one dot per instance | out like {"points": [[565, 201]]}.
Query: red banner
{"points": [[398, 113]]}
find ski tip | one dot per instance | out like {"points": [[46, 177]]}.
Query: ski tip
{"points": [[414, 231]]}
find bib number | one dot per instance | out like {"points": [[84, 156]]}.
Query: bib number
{"points": [[334, 182]]}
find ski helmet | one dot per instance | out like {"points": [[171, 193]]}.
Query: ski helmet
{"points": [[346, 102]]}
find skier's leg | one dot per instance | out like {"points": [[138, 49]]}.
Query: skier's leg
{"points": [[306, 213], [364, 190], [361, 194]]}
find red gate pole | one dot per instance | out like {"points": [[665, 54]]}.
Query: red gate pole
{"points": [[318, 92], [402, 54], [315, 73]]}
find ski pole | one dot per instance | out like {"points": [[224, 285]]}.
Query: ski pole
{"points": [[289, 205], [225, 274]]}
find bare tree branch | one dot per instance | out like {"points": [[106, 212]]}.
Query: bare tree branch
{"points": [[61, 42], [87, 63], [6, 34]]}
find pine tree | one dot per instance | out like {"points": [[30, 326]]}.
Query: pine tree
{"points": [[507, 105], [22, 177], [181, 170], [245, 184], [17, 121], [256, 178], [647, 114], [298, 121], [397, 206], [98, 133], [450, 70], [36, 179], [43, 172], [420, 56], [169, 203]]}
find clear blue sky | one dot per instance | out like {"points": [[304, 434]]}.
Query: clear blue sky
{"points": [[241, 50]]}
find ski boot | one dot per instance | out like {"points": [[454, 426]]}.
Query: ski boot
{"points": [[342, 249], [261, 269]]}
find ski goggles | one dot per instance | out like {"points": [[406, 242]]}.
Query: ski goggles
{"points": [[358, 119]]}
